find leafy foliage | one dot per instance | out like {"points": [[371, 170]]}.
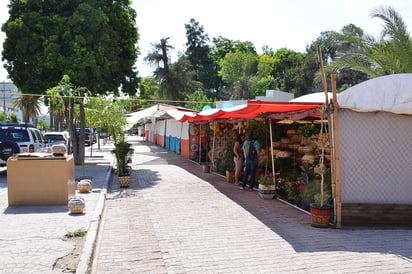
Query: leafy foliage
{"points": [[122, 150], [388, 54], [93, 42]]}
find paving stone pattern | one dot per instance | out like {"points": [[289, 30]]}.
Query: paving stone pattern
{"points": [[32, 237], [176, 219]]}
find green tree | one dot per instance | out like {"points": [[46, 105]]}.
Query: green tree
{"points": [[198, 53], [285, 60], [159, 58], [93, 42], [263, 80], [176, 80], [197, 100], [148, 92], [237, 70], [69, 99], [30, 105], [376, 56]]}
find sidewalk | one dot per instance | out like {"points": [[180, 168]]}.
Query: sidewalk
{"points": [[176, 219], [32, 237]]}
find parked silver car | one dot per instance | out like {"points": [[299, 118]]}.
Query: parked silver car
{"points": [[58, 137]]}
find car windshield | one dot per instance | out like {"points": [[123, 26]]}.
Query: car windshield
{"points": [[51, 138], [14, 135]]}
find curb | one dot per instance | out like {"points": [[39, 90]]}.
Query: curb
{"points": [[88, 249]]}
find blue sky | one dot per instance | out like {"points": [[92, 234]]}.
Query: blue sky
{"points": [[276, 23]]}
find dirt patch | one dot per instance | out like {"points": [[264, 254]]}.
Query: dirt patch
{"points": [[68, 263]]}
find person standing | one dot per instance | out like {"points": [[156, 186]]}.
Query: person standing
{"points": [[239, 157], [250, 148]]}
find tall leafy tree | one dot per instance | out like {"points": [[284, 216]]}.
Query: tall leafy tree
{"points": [[198, 53], [148, 92], [237, 70], [159, 58], [285, 60], [376, 56], [176, 80], [220, 48], [93, 42], [30, 105], [263, 80], [68, 99]]}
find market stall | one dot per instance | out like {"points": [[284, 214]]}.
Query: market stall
{"points": [[375, 129], [162, 126]]}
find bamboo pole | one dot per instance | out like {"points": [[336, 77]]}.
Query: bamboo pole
{"points": [[322, 157], [271, 152], [322, 70], [336, 156]]}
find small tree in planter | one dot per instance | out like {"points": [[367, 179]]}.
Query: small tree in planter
{"points": [[321, 211], [122, 150]]}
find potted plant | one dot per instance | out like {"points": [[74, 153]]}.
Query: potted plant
{"points": [[122, 151], [321, 209], [267, 187], [225, 164]]}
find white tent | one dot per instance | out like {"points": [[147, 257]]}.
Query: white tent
{"points": [[374, 133], [317, 97], [159, 111], [390, 93]]}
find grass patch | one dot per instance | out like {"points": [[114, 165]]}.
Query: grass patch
{"points": [[80, 232]]}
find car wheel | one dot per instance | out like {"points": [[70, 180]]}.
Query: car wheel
{"points": [[7, 149]]}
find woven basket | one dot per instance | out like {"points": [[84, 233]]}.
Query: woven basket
{"points": [[124, 181]]}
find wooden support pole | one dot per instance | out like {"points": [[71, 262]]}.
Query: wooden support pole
{"points": [[335, 156]]}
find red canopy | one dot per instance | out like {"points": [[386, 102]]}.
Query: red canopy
{"points": [[254, 108]]}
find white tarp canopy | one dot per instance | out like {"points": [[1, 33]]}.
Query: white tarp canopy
{"points": [[317, 97], [390, 93], [159, 111]]}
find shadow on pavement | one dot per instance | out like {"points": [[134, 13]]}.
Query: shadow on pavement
{"points": [[284, 220], [43, 209]]}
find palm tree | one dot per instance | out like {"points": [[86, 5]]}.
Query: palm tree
{"points": [[159, 57], [389, 54], [176, 80], [30, 105]]}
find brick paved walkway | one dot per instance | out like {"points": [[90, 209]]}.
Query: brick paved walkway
{"points": [[176, 219]]}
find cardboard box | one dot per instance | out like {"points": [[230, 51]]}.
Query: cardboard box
{"points": [[40, 180]]}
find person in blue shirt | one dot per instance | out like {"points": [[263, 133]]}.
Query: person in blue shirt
{"points": [[251, 148]]}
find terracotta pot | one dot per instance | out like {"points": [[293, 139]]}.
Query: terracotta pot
{"points": [[230, 176], [320, 216]]}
